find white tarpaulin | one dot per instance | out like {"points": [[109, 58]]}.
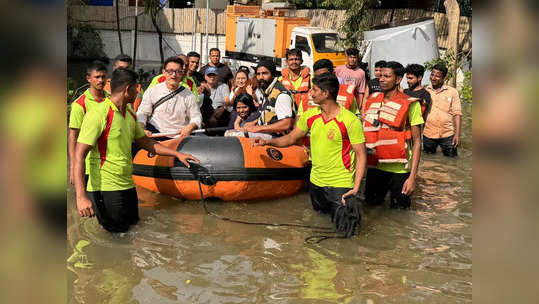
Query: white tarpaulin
{"points": [[411, 43]]}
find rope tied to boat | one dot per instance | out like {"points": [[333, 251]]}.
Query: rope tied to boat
{"points": [[346, 218]]}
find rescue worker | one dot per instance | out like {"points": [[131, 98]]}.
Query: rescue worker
{"points": [[392, 125], [106, 136], [296, 78], [125, 61], [96, 75]]}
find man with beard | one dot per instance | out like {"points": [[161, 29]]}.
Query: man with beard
{"points": [[443, 123], [96, 75], [392, 125], [277, 108], [169, 107], [414, 76], [106, 136]]}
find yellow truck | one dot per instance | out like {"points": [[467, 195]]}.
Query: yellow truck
{"points": [[253, 34]]}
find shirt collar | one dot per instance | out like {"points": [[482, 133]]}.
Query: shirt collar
{"points": [[443, 88]]}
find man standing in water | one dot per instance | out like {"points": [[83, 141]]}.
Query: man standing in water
{"points": [[107, 134], [96, 75], [392, 124], [337, 146], [414, 76], [443, 123]]}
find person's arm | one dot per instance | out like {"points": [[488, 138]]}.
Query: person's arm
{"points": [[409, 184], [456, 138], [283, 141], [237, 123], [279, 126], [195, 117], [155, 147], [361, 164], [145, 110], [72, 143], [83, 203]]}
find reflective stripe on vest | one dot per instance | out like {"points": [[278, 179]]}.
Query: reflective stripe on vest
{"points": [[301, 95], [346, 95]]}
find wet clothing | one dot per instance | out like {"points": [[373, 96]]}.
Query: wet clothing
{"points": [[172, 115], [115, 210], [326, 199], [445, 105], [224, 74], [426, 101], [110, 134], [333, 159], [379, 182], [430, 145]]}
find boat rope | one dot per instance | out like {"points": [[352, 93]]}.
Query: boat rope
{"points": [[347, 218]]}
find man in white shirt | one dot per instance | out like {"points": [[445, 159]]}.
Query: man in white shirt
{"points": [[277, 108], [168, 107]]}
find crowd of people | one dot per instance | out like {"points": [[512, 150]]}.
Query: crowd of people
{"points": [[352, 127]]}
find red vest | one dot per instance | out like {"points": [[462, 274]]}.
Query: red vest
{"points": [[385, 125], [301, 95]]}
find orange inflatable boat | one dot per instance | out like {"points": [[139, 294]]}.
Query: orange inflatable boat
{"points": [[237, 170]]}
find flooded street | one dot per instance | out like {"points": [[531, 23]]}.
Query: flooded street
{"points": [[179, 254]]}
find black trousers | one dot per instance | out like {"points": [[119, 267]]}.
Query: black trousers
{"points": [[326, 199], [380, 182], [446, 143], [115, 210]]}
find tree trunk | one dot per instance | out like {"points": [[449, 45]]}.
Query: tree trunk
{"points": [[160, 37], [118, 28], [453, 17]]}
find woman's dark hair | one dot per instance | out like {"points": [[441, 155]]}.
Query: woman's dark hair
{"points": [[246, 99]]}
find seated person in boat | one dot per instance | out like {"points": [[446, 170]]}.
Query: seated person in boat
{"points": [[277, 108], [106, 134], [169, 107], [337, 146], [213, 109], [244, 112]]}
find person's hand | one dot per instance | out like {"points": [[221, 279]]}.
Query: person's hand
{"points": [[456, 140], [148, 133], [185, 131], [409, 186], [185, 157], [226, 101], [250, 128], [85, 206], [352, 192], [249, 90], [258, 142]]}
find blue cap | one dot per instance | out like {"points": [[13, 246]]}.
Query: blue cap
{"points": [[211, 70]]}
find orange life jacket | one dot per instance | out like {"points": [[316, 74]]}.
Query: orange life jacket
{"points": [[301, 95], [346, 95], [385, 125]]}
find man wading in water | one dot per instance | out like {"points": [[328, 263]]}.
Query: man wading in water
{"points": [[107, 133], [337, 147]]}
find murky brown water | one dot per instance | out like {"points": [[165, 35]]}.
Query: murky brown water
{"points": [[178, 254]]}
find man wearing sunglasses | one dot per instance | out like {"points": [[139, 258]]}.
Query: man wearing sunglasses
{"points": [[169, 107]]}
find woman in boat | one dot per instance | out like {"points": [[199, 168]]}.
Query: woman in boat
{"points": [[245, 112], [242, 84]]}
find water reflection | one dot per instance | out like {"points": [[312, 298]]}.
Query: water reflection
{"points": [[178, 254]]}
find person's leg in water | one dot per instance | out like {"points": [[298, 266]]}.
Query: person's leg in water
{"points": [[398, 199], [326, 199], [376, 186], [429, 145], [116, 210], [447, 147]]}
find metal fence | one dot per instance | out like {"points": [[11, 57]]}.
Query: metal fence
{"points": [[181, 20]]}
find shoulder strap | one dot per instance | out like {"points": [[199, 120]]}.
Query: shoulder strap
{"points": [[167, 97]]}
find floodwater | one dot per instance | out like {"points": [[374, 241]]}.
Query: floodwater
{"points": [[179, 254]]}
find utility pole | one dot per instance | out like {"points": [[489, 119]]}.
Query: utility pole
{"points": [[452, 10]]}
